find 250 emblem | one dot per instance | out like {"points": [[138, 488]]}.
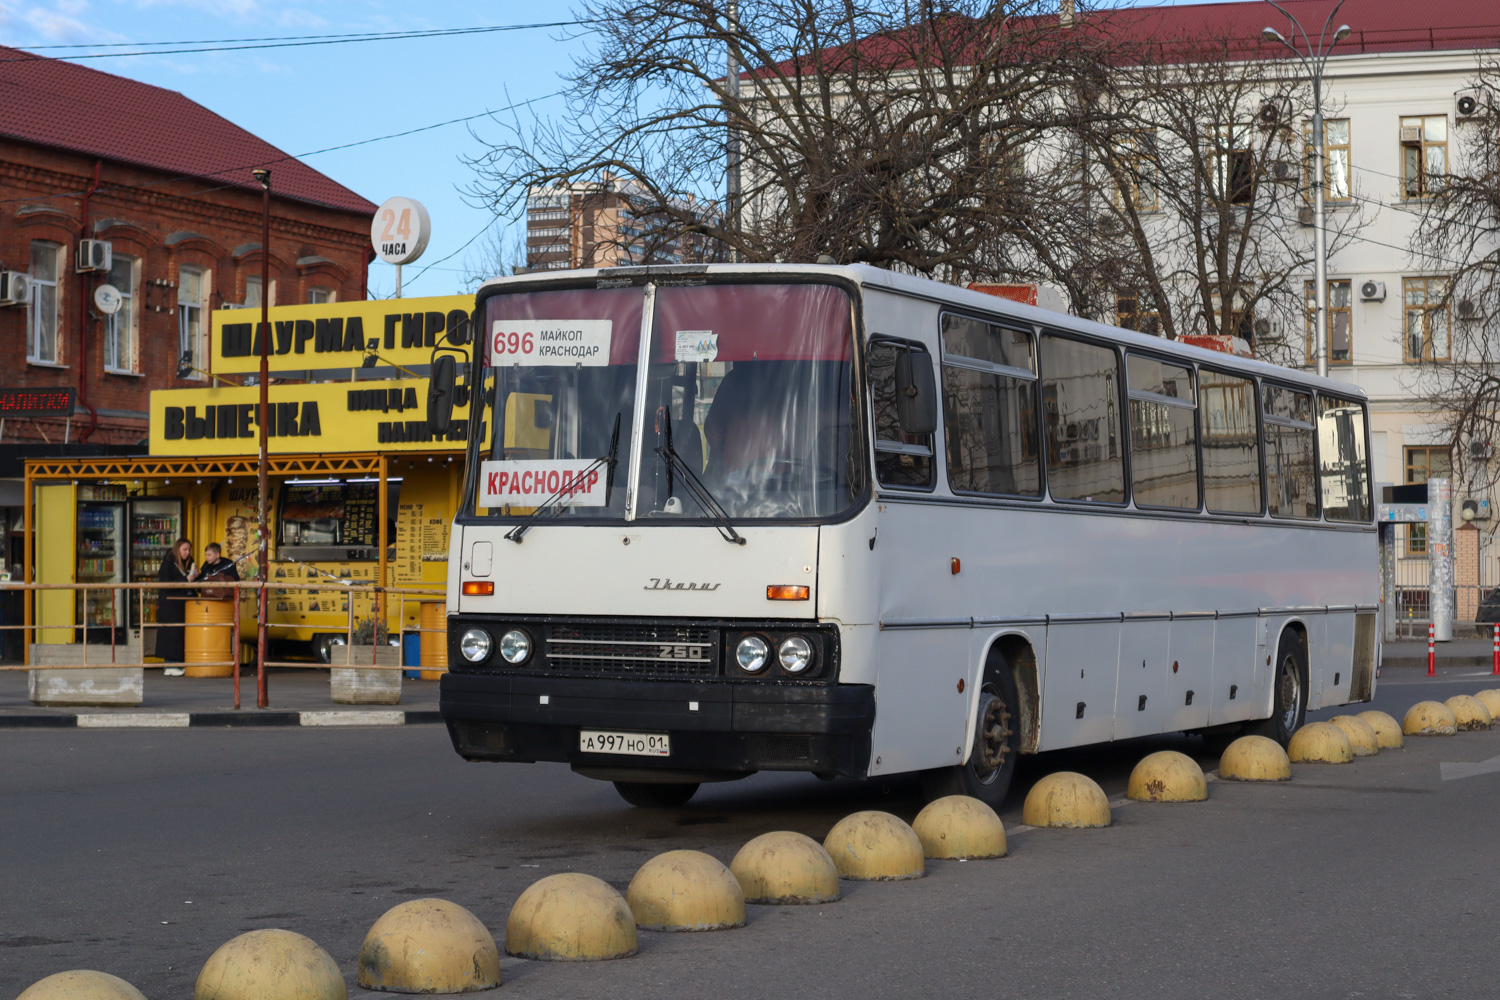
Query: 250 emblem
{"points": [[679, 653]]}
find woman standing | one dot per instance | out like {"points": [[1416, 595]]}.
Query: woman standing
{"points": [[176, 567]]}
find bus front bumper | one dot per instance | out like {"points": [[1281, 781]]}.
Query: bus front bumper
{"points": [[717, 731]]}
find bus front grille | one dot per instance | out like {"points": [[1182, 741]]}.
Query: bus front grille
{"points": [[633, 650]]}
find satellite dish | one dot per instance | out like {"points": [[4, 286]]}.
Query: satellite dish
{"points": [[108, 300]]}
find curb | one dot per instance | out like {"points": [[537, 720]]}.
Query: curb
{"points": [[245, 719]]}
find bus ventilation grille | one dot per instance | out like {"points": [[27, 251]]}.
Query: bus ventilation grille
{"points": [[633, 650], [773, 751]]}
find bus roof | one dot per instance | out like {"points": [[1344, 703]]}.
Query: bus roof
{"points": [[881, 279]]}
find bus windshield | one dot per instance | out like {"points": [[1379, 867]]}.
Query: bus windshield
{"points": [[749, 403]]}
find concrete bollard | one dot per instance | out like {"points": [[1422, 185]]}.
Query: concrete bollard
{"points": [[1320, 743], [1362, 737], [875, 846], [1429, 718], [685, 891], [1387, 729], [429, 946], [81, 984], [1167, 776], [958, 826], [785, 868], [1066, 799], [570, 917]]}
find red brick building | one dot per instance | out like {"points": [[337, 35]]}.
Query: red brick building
{"points": [[166, 183]]}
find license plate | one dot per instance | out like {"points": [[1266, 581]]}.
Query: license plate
{"points": [[637, 744]]}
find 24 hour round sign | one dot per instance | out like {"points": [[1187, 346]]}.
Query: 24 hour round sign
{"points": [[550, 342], [400, 230]]}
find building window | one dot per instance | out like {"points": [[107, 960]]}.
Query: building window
{"points": [[1340, 315], [252, 292], [1241, 320], [318, 295], [1424, 155], [1427, 321], [191, 285], [120, 329], [1233, 162], [1336, 164], [1422, 463], [1135, 312], [42, 314], [1136, 155]]}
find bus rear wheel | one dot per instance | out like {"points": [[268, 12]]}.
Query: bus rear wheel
{"points": [[992, 759], [656, 795], [1289, 692]]}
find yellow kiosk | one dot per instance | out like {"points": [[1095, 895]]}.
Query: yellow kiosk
{"points": [[361, 489]]}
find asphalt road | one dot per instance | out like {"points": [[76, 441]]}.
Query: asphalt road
{"points": [[139, 852]]}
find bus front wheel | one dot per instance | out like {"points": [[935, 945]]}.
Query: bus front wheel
{"points": [[656, 795], [997, 742], [1289, 692]]}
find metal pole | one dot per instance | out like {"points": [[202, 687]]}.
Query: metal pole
{"points": [[1440, 557], [1320, 236], [732, 140], [263, 416], [1495, 668], [398, 281]]}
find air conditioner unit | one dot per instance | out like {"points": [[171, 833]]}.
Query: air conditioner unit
{"points": [[1411, 135], [1372, 291], [1283, 171], [95, 255], [1471, 103], [1480, 451], [1306, 216], [15, 288], [1475, 510], [1467, 309], [1268, 331], [1275, 111]]}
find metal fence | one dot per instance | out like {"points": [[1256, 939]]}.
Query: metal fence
{"points": [[1412, 573]]}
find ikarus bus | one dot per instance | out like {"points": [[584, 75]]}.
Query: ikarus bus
{"points": [[724, 519]]}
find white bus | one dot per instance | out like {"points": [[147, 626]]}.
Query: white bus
{"points": [[722, 519]]}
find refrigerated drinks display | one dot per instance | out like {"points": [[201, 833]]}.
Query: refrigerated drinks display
{"points": [[101, 559], [154, 526]]}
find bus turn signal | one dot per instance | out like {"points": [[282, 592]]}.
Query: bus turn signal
{"points": [[786, 592], [479, 588]]}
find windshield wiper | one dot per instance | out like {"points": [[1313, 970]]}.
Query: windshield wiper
{"points": [[699, 491], [518, 533]]}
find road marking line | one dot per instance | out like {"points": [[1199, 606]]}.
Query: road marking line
{"points": [[354, 718], [1451, 771], [134, 720]]}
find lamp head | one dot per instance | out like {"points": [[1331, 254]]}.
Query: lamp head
{"points": [[371, 346], [1270, 34], [1342, 33], [185, 366], [262, 175]]}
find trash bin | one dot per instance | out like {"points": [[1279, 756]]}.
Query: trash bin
{"points": [[208, 638], [434, 640], [411, 653]]}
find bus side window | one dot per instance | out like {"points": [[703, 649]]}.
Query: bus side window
{"points": [[901, 459], [1290, 483], [1343, 465], [1080, 396], [1163, 434], [1231, 443], [989, 409]]}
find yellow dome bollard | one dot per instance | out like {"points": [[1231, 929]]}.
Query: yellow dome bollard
{"points": [[81, 984], [875, 846], [429, 946], [1387, 729], [1491, 701], [785, 867], [1362, 737], [959, 826], [570, 918], [1320, 743], [1066, 799], [1167, 776], [1255, 758], [1469, 712], [686, 891], [270, 965], [1429, 718]]}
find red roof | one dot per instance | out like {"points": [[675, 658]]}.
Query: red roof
{"points": [[55, 103]]}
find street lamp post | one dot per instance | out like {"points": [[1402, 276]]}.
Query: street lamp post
{"points": [[1313, 61], [262, 551]]}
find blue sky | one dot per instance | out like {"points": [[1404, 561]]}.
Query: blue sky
{"points": [[309, 98]]}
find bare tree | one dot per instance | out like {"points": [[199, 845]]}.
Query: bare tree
{"points": [[887, 132], [1456, 332]]}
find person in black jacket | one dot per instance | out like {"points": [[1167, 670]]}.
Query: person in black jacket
{"points": [[215, 571], [171, 605]]}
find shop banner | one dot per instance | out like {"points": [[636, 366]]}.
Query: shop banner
{"points": [[337, 334], [327, 418]]}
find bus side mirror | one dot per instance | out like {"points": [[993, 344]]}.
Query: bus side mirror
{"points": [[916, 393], [440, 391]]}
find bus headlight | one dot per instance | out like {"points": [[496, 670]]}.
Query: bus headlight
{"points": [[475, 645], [515, 647], [751, 654], [795, 654]]}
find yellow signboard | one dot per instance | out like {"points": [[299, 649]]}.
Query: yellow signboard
{"points": [[327, 418], [337, 334]]}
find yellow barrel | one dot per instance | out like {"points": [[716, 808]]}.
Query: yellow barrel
{"points": [[434, 643], [208, 638]]}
